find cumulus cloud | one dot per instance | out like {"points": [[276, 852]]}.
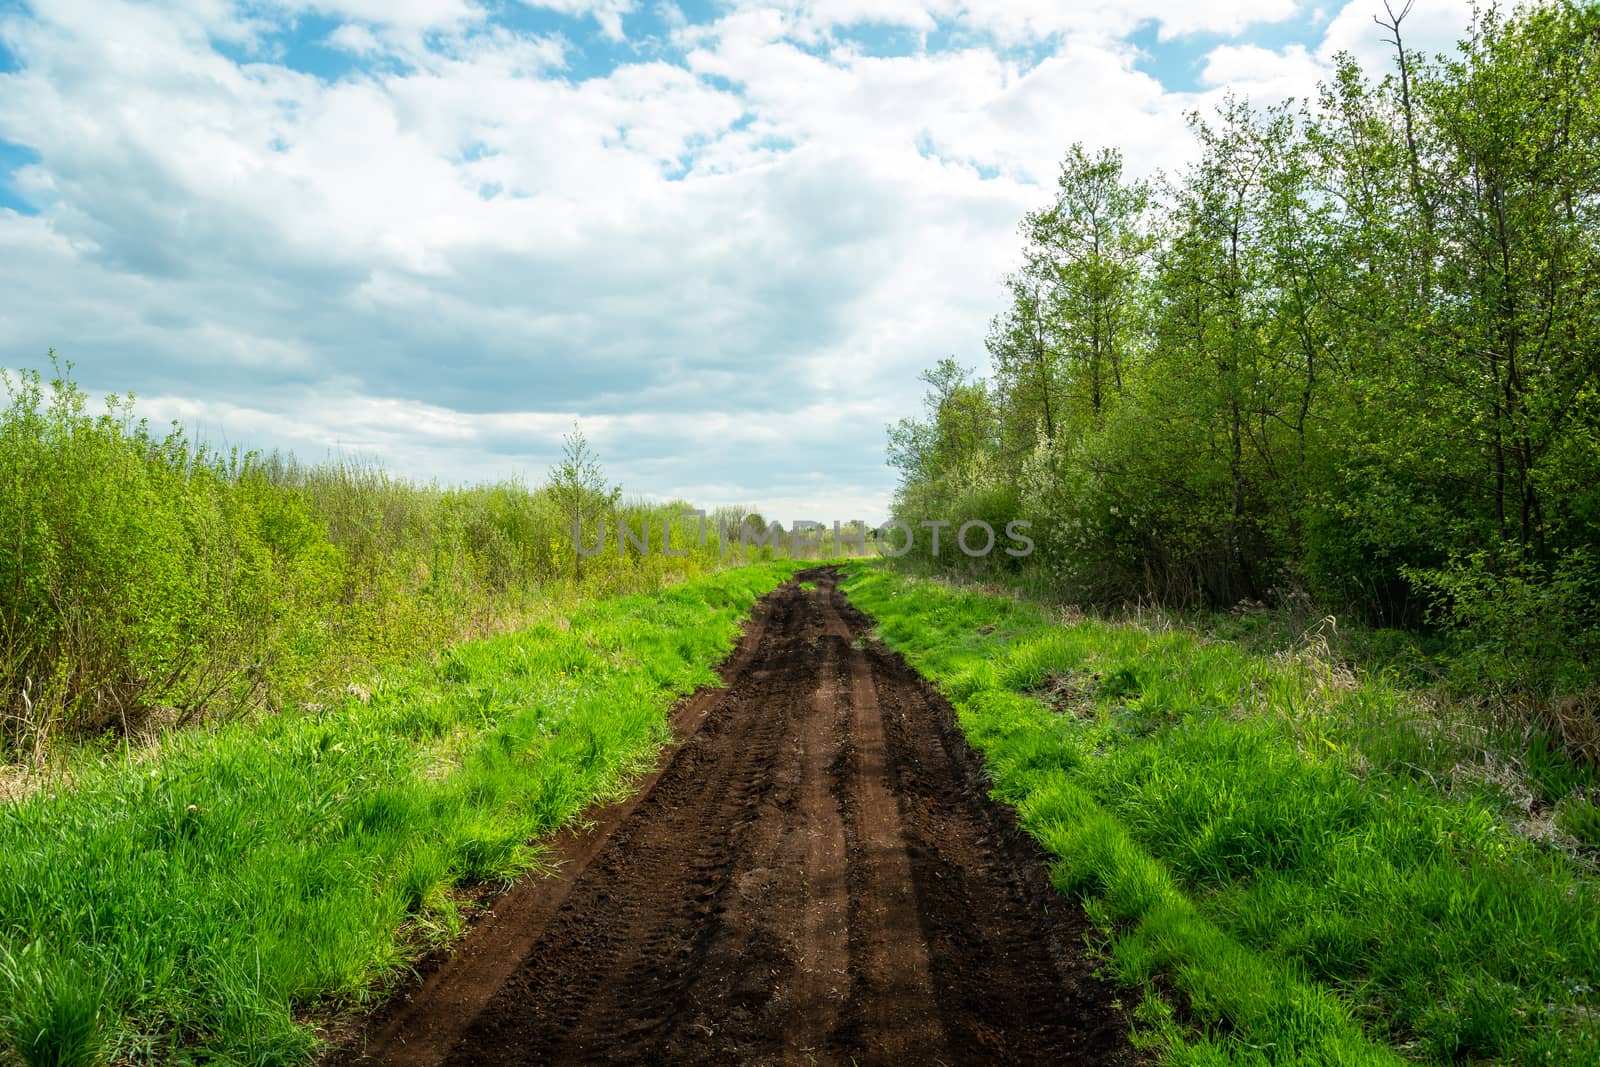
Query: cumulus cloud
{"points": [[1014, 21], [415, 14], [727, 246], [607, 13], [1262, 71]]}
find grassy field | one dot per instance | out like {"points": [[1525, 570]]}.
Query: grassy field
{"points": [[198, 906], [1291, 864]]}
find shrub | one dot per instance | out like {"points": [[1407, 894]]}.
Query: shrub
{"points": [[147, 580]]}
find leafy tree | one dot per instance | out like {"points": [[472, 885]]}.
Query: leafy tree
{"points": [[1353, 351], [579, 485]]}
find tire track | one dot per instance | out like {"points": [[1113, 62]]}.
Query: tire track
{"points": [[814, 875], [899, 1019]]}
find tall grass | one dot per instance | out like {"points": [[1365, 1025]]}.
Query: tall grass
{"points": [[198, 908], [147, 580], [1292, 864]]}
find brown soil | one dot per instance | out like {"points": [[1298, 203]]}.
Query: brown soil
{"points": [[815, 874]]}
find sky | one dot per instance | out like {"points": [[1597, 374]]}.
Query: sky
{"points": [[722, 236]]}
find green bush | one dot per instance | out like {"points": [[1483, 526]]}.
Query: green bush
{"points": [[1524, 626], [147, 580]]}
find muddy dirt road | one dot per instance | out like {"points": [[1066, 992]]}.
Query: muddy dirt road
{"points": [[813, 875]]}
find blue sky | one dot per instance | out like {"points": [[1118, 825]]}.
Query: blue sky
{"points": [[723, 235]]}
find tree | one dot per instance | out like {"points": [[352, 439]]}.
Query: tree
{"points": [[578, 483], [1354, 348], [1084, 254]]}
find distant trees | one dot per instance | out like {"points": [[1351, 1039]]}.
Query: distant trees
{"points": [[1354, 349], [950, 460]]}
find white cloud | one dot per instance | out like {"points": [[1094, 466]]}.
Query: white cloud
{"points": [[1252, 65], [355, 38], [730, 258], [1016, 21], [1433, 26], [607, 13], [412, 14]]}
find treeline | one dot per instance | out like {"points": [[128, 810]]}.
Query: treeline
{"points": [[1350, 354], [148, 581]]}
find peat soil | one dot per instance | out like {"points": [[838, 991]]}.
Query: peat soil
{"points": [[813, 874]]}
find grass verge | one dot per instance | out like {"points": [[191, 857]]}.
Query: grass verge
{"points": [[1263, 842], [188, 910]]}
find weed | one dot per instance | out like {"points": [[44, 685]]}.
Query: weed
{"points": [[1580, 817], [54, 1009]]}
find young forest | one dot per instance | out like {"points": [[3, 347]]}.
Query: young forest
{"points": [[1348, 359]]}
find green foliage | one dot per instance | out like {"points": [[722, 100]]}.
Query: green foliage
{"points": [[949, 465], [200, 902], [1580, 817], [1512, 615], [147, 581], [579, 486], [1315, 875], [1350, 354]]}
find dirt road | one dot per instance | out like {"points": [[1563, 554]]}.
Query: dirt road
{"points": [[813, 875]]}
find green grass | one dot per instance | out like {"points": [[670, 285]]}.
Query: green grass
{"points": [[199, 905], [1278, 855]]}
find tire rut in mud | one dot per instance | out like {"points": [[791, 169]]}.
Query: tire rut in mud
{"points": [[815, 874]]}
